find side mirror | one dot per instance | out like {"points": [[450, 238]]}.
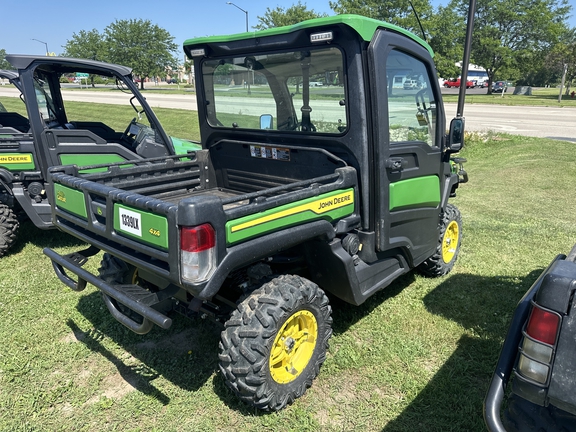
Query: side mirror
{"points": [[266, 121], [456, 135]]}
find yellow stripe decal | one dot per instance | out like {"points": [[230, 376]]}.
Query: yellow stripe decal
{"points": [[319, 206]]}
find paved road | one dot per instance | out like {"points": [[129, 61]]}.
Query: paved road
{"points": [[155, 100], [544, 122]]}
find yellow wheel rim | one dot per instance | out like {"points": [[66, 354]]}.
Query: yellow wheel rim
{"points": [[293, 347], [450, 242]]}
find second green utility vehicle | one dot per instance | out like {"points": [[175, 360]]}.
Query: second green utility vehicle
{"points": [[49, 132]]}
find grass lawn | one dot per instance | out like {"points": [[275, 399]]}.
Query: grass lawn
{"points": [[177, 123], [417, 356]]}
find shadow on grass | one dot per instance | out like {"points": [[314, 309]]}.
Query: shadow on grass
{"points": [[346, 315], [139, 377], [452, 400], [186, 354]]}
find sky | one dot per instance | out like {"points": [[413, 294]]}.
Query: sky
{"points": [[36, 25]]}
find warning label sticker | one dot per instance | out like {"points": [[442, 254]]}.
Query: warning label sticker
{"points": [[265, 152]]}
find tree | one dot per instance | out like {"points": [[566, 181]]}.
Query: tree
{"points": [[87, 45], [282, 17], [3, 62], [505, 31], [145, 47], [447, 31], [562, 56], [398, 12]]}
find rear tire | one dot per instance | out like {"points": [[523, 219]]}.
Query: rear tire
{"points": [[8, 228], [275, 342], [448, 246]]}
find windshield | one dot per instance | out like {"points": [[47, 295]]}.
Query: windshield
{"points": [[296, 90]]}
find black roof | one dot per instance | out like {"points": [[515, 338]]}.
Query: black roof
{"points": [[8, 74], [66, 64]]}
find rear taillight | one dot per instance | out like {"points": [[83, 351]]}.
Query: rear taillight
{"points": [[538, 344], [197, 253], [543, 325]]}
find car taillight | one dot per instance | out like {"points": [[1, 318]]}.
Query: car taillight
{"points": [[197, 252], [538, 344], [543, 325]]}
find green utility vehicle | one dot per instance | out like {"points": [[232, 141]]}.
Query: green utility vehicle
{"points": [[49, 134], [318, 173]]}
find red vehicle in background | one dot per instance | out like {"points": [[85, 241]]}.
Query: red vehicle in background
{"points": [[455, 82]]}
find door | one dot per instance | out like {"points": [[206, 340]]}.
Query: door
{"points": [[408, 154]]}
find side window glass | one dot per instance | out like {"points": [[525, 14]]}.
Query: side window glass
{"points": [[411, 104]]}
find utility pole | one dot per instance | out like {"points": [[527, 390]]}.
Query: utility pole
{"points": [[45, 44], [245, 11], [562, 83]]}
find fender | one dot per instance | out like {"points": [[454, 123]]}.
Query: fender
{"points": [[450, 181], [6, 179], [263, 247]]}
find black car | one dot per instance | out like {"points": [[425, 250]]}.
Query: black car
{"points": [[499, 87]]}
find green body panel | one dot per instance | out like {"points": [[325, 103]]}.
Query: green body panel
{"points": [[415, 192], [90, 159], [70, 200], [17, 161], [365, 27], [182, 146], [153, 229], [330, 206]]}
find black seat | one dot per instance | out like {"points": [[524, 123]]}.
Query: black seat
{"points": [[14, 120]]}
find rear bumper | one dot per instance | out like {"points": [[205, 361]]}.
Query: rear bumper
{"points": [[495, 395], [132, 296]]}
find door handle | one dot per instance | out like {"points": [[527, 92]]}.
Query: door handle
{"points": [[395, 163]]}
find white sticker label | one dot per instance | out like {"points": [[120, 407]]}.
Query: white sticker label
{"points": [[130, 221]]}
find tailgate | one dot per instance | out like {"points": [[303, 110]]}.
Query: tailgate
{"points": [[136, 223]]}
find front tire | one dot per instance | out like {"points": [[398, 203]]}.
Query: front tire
{"points": [[275, 342], [8, 228], [448, 246]]}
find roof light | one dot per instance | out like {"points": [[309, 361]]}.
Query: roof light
{"points": [[321, 37], [197, 52]]}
